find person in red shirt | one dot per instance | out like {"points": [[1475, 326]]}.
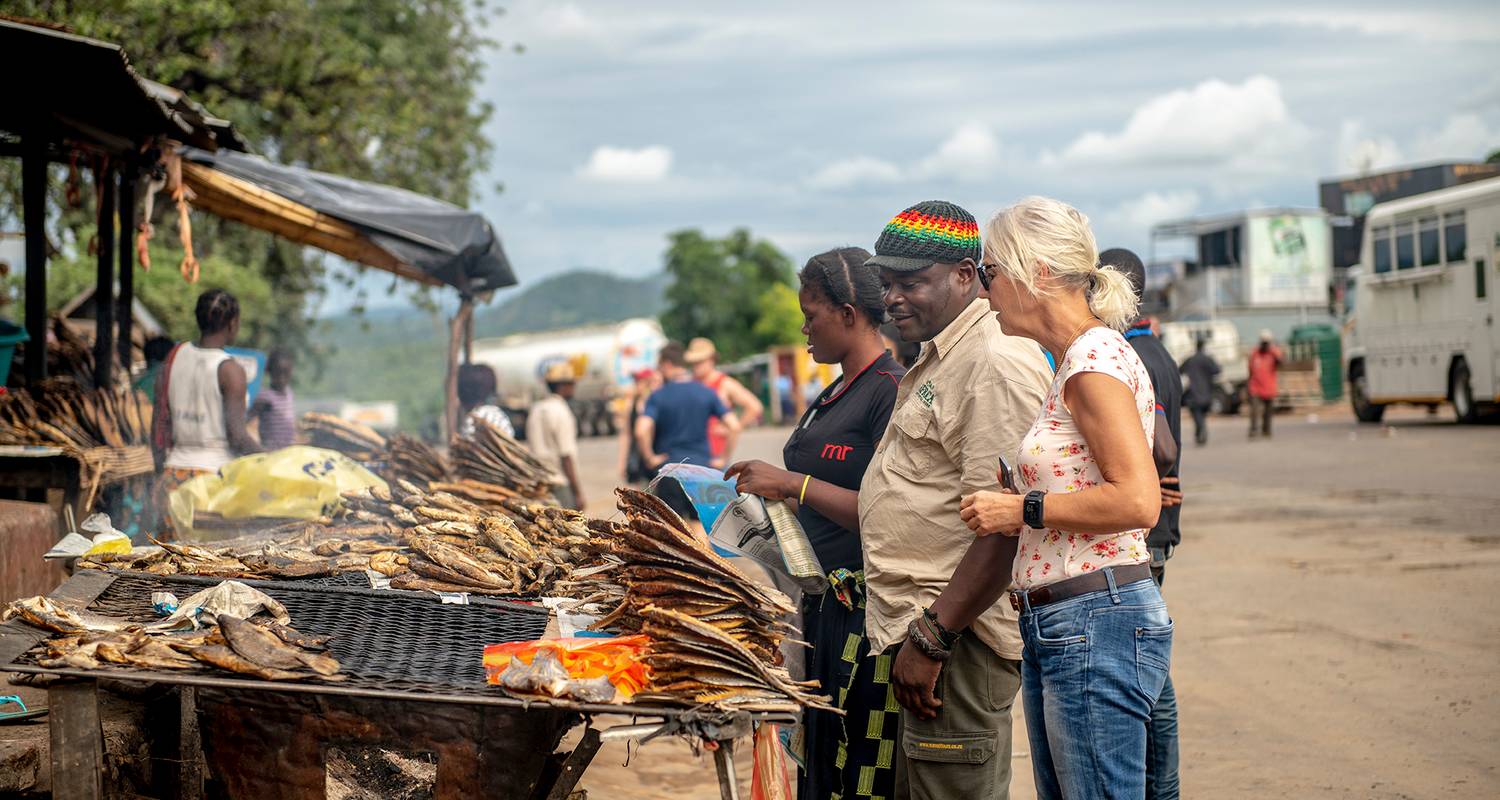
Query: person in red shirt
{"points": [[1265, 360]]}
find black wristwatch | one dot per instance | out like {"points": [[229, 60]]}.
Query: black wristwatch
{"points": [[1031, 510]]}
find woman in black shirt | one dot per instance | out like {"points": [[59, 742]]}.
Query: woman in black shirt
{"points": [[826, 458]]}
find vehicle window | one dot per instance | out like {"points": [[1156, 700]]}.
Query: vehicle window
{"points": [[1405, 246], [1480, 290], [1380, 244], [1454, 241], [1427, 242]]}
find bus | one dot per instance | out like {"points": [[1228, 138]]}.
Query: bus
{"points": [[1422, 325]]}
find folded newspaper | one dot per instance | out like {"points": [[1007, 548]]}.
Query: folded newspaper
{"points": [[769, 534], [745, 525]]}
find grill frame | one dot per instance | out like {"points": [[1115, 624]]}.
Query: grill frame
{"points": [[90, 588]]}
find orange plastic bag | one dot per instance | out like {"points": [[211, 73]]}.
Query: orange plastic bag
{"points": [[771, 780], [617, 658]]}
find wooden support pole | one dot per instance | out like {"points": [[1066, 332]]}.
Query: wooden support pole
{"points": [[127, 266], [77, 741], [34, 210], [104, 290], [455, 344]]}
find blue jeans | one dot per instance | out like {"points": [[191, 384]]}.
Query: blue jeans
{"points": [[1161, 748], [1092, 670]]}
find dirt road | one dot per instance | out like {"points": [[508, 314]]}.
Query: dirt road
{"points": [[1337, 600]]}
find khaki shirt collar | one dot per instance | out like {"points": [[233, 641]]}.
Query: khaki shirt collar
{"points": [[958, 328]]}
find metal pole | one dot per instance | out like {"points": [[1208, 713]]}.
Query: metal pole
{"points": [[34, 210], [729, 789], [104, 290], [127, 266]]}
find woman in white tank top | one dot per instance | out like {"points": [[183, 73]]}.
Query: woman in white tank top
{"points": [[201, 393]]}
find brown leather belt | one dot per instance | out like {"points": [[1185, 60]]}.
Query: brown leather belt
{"points": [[1082, 584]]}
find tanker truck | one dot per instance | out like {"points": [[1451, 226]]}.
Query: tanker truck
{"points": [[603, 356]]}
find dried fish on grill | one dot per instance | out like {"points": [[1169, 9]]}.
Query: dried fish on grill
{"points": [[357, 441], [48, 614], [416, 461], [492, 457], [714, 631]]}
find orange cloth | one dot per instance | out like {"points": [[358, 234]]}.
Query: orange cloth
{"points": [[617, 658]]}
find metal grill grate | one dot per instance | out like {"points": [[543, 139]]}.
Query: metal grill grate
{"points": [[385, 640]]}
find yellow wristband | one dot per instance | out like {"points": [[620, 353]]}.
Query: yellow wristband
{"points": [[802, 496]]}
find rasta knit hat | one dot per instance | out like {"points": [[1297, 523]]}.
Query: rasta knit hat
{"points": [[930, 232]]}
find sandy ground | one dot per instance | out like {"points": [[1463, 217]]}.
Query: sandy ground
{"points": [[1337, 598]]}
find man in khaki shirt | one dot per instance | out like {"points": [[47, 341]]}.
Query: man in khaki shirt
{"points": [[552, 435], [967, 401]]}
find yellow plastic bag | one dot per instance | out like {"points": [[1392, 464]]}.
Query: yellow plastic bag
{"points": [[296, 482]]}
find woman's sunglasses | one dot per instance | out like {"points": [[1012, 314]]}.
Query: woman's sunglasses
{"points": [[986, 274]]}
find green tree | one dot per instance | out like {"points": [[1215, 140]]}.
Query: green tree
{"points": [[1494, 157], [780, 319], [379, 90], [717, 286]]}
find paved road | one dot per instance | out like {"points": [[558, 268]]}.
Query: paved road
{"points": [[1337, 598]]}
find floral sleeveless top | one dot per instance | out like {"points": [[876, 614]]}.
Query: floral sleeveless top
{"points": [[1055, 458]]}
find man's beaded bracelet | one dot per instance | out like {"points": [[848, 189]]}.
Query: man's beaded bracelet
{"points": [[945, 637], [918, 637]]}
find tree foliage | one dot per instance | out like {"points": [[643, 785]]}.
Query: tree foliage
{"points": [[717, 288], [380, 90], [780, 319]]}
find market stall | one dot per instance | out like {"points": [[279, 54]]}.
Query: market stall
{"points": [[409, 671]]}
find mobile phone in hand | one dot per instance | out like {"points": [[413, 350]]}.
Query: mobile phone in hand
{"points": [[1007, 479]]}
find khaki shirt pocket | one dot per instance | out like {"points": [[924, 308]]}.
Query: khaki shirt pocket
{"points": [[916, 449]]}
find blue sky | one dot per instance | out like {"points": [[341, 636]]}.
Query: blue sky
{"points": [[813, 123]]}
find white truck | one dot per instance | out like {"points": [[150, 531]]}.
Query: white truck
{"points": [[605, 357], [1422, 322], [1223, 345]]}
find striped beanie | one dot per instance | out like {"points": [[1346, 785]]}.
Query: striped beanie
{"points": [[930, 232]]}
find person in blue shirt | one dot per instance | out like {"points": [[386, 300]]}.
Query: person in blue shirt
{"points": [[673, 427]]}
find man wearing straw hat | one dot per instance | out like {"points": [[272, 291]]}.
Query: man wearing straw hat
{"points": [[552, 434]]}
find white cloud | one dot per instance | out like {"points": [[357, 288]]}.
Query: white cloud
{"points": [[1463, 136], [1360, 151], [972, 151], [624, 165], [1212, 123], [1150, 208], [860, 170], [567, 19]]}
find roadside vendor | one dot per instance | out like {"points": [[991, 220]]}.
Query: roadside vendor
{"points": [[200, 399], [552, 435], [825, 461], [476, 399]]}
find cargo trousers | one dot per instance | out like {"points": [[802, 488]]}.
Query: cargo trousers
{"points": [[965, 751]]}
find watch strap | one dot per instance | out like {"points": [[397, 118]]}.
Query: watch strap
{"points": [[1031, 510]]}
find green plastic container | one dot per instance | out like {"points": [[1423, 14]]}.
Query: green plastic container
{"points": [[1325, 341], [11, 335]]}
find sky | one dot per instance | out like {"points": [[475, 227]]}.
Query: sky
{"points": [[812, 124]]}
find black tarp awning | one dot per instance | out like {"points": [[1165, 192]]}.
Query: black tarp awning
{"points": [[453, 245], [61, 86]]}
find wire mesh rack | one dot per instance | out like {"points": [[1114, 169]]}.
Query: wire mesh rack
{"points": [[385, 641]]}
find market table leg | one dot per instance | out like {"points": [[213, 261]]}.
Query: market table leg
{"points": [[77, 741], [574, 766], [724, 763]]}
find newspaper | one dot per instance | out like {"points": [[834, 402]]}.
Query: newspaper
{"points": [[769, 535]]}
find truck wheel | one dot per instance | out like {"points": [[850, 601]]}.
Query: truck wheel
{"points": [[1359, 396], [1461, 393]]}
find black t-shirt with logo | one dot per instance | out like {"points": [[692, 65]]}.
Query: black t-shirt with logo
{"points": [[834, 442]]}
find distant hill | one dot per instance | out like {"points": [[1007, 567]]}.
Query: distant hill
{"points": [[581, 297], [398, 353]]}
